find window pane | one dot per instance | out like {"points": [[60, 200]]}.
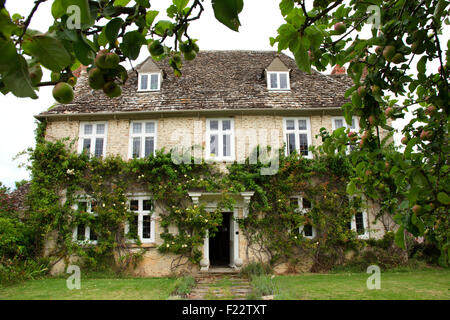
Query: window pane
{"points": [[154, 78], [137, 128], [353, 124], [226, 145], [147, 205], [359, 223], [294, 202], [92, 234], [302, 124], [134, 205], [144, 82], [273, 81], [226, 125], [214, 145], [146, 227], [80, 232], [100, 129], [150, 127], [283, 81], [307, 230], [290, 124], [98, 147], [149, 146], [136, 147], [338, 123], [290, 142], [133, 226], [88, 129], [87, 145], [214, 125], [306, 204], [93, 206], [303, 140]]}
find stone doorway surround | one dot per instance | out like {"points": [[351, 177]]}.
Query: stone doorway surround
{"points": [[210, 201]]}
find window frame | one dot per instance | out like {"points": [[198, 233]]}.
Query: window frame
{"points": [[149, 74], [296, 132], [142, 135], [93, 137], [87, 228], [220, 133], [303, 211], [346, 126], [141, 213], [364, 235], [269, 87]]}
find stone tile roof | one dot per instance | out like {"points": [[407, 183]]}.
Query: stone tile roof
{"points": [[18, 197], [214, 80]]}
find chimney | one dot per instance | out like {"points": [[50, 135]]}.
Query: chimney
{"points": [[338, 70], [79, 70]]}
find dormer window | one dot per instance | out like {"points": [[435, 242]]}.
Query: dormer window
{"points": [[278, 81], [149, 82]]}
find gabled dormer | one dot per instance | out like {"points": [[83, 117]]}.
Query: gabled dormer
{"points": [[149, 77], [277, 75]]}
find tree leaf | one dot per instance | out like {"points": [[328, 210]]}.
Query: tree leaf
{"points": [[112, 29], [443, 198], [351, 187], [131, 44], [49, 51], [400, 237], [302, 58], [150, 17], [286, 6], [17, 78], [83, 51], [121, 3], [227, 12]]}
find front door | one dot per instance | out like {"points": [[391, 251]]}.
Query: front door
{"points": [[219, 244]]}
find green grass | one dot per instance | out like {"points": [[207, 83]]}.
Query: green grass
{"points": [[417, 285], [91, 289]]}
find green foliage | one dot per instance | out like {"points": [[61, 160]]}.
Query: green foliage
{"points": [[417, 177], [255, 269], [184, 285], [263, 285], [121, 26]]}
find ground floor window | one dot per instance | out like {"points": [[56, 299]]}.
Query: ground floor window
{"points": [[84, 232], [359, 224], [303, 205], [142, 225]]}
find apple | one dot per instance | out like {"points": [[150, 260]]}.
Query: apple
{"points": [[388, 52], [361, 91], [425, 135], [430, 110], [376, 89], [416, 208], [379, 50], [340, 28], [371, 120], [405, 140], [63, 92], [388, 112]]}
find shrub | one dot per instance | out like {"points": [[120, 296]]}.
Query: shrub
{"points": [[263, 285], [255, 269], [183, 286]]}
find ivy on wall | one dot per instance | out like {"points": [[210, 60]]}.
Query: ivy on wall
{"points": [[272, 227]]}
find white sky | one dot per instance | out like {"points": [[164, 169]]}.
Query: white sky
{"points": [[260, 19]]}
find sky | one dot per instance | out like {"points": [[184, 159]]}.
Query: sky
{"points": [[260, 19]]}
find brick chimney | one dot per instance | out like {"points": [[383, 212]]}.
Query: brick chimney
{"points": [[338, 70], [79, 70]]}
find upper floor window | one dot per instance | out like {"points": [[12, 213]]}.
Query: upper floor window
{"points": [[278, 81], [142, 139], [93, 138], [142, 225], [220, 139], [149, 82], [339, 122], [84, 232], [298, 136]]}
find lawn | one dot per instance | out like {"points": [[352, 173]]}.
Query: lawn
{"points": [[432, 284], [91, 289]]}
